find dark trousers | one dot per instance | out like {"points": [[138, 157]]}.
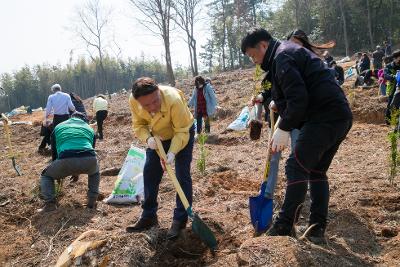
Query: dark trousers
{"points": [[57, 119], [199, 122], [315, 148], [101, 115], [389, 107], [46, 133], [152, 174]]}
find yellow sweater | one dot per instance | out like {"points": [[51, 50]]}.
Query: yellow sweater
{"points": [[172, 122]]}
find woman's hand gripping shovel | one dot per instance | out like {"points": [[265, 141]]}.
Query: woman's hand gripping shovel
{"points": [[198, 226], [261, 208]]}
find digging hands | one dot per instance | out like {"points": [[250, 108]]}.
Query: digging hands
{"points": [[46, 123], [273, 107], [280, 140], [151, 143], [256, 99], [170, 160]]}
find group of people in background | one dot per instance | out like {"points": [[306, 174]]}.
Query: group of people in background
{"points": [[385, 70]]}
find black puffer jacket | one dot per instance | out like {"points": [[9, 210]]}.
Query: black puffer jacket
{"points": [[303, 89]]}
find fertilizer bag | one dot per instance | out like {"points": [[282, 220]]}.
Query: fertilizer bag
{"points": [[129, 186]]}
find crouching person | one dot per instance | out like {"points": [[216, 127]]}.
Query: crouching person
{"points": [[163, 112], [73, 143]]}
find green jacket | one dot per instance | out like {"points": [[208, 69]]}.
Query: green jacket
{"points": [[73, 135]]}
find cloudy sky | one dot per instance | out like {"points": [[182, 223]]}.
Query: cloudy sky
{"points": [[36, 31]]}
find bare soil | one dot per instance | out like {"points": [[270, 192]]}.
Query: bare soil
{"points": [[364, 207]]}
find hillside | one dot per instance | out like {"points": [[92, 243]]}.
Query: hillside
{"points": [[364, 207]]}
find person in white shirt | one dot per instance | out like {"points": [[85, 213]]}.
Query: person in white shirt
{"points": [[100, 107], [59, 104]]}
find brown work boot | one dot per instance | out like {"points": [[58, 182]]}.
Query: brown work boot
{"points": [[48, 206], [175, 229], [142, 224], [92, 203]]}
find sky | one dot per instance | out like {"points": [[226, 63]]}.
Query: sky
{"points": [[36, 32]]}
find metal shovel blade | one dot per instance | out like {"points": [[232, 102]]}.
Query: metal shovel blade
{"points": [[204, 232], [16, 167], [261, 211]]}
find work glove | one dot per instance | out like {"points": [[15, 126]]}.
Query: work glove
{"points": [[259, 98], [272, 106], [170, 158], [151, 143], [280, 140]]}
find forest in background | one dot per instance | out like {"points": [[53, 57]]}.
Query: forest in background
{"points": [[355, 25]]}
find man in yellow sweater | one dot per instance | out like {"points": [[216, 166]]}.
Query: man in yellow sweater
{"points": [[162, 111]]}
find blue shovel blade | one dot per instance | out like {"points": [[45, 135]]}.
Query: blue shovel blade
{"points": [[261, 211]]}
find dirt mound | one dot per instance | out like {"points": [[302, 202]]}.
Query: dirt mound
{"points": [[367, 105]]}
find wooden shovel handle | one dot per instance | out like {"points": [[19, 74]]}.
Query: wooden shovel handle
{"points": [[273, 128], [171, 174], [7, 132]]}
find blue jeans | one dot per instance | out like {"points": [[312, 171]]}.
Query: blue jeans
{"points": [[199, 123], [153, 172], [274, 166], [382, 88]]}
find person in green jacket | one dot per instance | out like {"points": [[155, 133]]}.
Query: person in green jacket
{"points": [[73, 143]]}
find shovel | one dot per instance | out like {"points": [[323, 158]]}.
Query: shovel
{"points": [[7, 134], [198, 226], [261, 208]]}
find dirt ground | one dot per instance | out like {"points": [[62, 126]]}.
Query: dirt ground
{"points": [[364, 208]]}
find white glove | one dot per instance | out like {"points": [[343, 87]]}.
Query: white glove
{"points": [[151, 142], [280, 140], [272, 106], [170, 158], [259, 98]]}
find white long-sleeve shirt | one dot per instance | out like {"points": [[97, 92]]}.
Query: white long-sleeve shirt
{"points": [[99, 104], [59, 103]]}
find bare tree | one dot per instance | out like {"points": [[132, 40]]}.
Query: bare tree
{"points": [[186, 17], [91, 26], [371, 38], [346, 39], [157, 20]]}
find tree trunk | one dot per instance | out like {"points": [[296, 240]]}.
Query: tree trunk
{"points": [[346, 41], [253, 8], [371, 38], [196, 69], [191, 56], [168, 61], [224, 35], [296, 12], [391, 22]]}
